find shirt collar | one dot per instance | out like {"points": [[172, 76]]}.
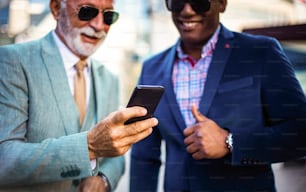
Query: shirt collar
{"points": [[209, 47], [69, 59]]}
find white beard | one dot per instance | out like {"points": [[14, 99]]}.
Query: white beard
{"points": [[73, 40]]}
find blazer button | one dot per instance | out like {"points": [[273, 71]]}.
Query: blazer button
{"points": [[75, 172], [64, 174], [244, 161], [71, 171]]}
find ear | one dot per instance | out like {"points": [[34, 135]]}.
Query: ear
{"points": [[55, 6], [223, 4]]}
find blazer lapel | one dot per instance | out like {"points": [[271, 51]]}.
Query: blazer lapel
{"points": [[101, 84], [169, 93], [59, 82], [215, 72]]}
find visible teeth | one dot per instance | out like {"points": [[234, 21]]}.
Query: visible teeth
{"points": [[189, 24]]}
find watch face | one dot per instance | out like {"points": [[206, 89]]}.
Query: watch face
{"points": [[229, 141]]}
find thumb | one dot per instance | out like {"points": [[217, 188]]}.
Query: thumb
{"points": [[197, 114]]}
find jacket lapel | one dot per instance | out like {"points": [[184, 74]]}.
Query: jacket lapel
{"points": [[170, 95], [215, 73], [101, 84], [59, 82]]}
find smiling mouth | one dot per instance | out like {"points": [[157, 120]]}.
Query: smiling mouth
{"points": [[90, 37], [188, 25]]}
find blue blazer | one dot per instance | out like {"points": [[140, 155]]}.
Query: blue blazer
{"points": [[42, 146], [251, 89]]}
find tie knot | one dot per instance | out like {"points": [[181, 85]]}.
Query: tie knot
{"points": [[80, 65]]}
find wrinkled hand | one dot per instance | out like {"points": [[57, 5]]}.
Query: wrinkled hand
{"points": [[205, 139], [110, 137], [92, 184]]}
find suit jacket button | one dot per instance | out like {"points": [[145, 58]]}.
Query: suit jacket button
{"points": [[77, 172], [64, 174], [70, 173], [244, 161]]}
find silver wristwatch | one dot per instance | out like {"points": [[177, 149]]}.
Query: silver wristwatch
{"points": [[229, 142]]}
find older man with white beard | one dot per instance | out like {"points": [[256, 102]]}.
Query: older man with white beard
{"points": [[59, 128]]}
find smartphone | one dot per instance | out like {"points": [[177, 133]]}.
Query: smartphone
{"points": [[147, 96]]}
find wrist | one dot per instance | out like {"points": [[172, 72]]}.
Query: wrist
{"points": [[105, 180]]}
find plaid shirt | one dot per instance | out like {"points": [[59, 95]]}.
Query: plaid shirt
{"points": [[189, 77]]}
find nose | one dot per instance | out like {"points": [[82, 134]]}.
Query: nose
{"points": [[97, 23], [187, 8]]}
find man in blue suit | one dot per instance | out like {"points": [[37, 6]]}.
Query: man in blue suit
{"points": [[232, 106], [58, 131]]}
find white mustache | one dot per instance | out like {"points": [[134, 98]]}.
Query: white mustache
{"points": [[90, 32]]}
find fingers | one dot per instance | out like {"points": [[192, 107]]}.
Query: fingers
{"points": [[125, 114], [111, 137], [192, 137], [192, 148], [140, 126], [206, 139], [134, 134], [195, 146], [195, 149], [197, 115], [199, 155], [194, 130]]}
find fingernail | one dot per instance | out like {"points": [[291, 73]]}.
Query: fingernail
{"points": [[155, 121], [144, 111]]}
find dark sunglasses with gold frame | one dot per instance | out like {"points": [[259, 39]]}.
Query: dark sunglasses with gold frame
{"points": [[87, 13]]}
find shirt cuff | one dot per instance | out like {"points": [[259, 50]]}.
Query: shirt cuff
{"points": [[93, 164]]}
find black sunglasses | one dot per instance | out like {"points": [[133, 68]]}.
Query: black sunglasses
{"points": [[198, 6], [87, 13]]}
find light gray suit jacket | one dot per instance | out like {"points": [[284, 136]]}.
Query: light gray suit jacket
{"points": [[42, 147]]}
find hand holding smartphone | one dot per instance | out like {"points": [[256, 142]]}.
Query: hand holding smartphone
{"points": [[147, 96]]}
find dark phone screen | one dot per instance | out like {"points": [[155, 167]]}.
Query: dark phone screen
{"points": [[147, 96]]}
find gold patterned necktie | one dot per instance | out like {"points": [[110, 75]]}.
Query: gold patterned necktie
{"points": [[80, 88]]}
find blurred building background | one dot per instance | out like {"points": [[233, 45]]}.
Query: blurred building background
{"points": [[145, 27]]}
